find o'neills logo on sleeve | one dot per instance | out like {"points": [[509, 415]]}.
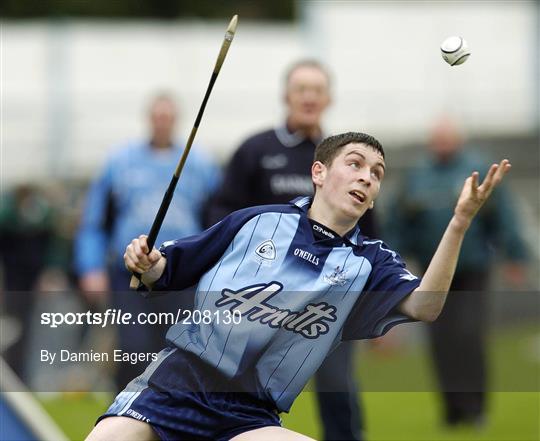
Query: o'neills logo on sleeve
{"points": [[251, 302]]}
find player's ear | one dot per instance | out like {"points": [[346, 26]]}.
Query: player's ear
{"points": [[318, 173]]}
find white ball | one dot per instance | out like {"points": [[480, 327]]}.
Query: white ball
{"points": [[455, 50]]}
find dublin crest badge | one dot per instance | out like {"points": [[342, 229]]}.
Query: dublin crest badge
{"points": [[336, 277]]}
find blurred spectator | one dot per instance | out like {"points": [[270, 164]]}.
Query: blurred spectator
{"points": [[121, 204], [420, 213], [274, 167], [26, 238]]}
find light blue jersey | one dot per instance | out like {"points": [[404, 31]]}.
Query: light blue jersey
{"points": [[123, 200], [298, 297]]}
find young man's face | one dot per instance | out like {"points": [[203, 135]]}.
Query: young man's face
{"points": [[352, 182], [307, 96]]}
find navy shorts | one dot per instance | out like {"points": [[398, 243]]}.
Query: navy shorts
{"points": [[183, 398]]}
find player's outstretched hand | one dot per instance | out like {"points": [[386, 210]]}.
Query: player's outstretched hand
{"points": [[473, 195], [137, 257]]}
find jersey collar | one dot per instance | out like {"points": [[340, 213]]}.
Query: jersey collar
{"points": [[353, 237], [293, 139]]}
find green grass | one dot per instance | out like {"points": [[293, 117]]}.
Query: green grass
{"points": [[415, 416], [76, 413], [398, 400]]}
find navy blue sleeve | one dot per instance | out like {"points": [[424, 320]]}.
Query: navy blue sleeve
{"points": [[375, 311], [189, 258]]}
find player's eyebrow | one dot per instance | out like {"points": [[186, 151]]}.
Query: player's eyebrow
{"points": [[355, 152]]}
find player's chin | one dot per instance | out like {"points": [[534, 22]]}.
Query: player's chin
{"points": [[354, 211]]}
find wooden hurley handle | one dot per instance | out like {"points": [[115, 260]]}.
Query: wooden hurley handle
{"points": [[133, 283]]}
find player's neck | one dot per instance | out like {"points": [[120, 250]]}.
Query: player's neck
{"points": [[323, 214]]}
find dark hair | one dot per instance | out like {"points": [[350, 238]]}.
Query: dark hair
{"points": [[329, 147], [307, 62]]}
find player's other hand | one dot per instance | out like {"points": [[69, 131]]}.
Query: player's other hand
{"points": [[474, 195], [138, 258]]}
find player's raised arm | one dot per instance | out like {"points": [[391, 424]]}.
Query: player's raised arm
{"points": [[426, 302], [138, 259]]}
